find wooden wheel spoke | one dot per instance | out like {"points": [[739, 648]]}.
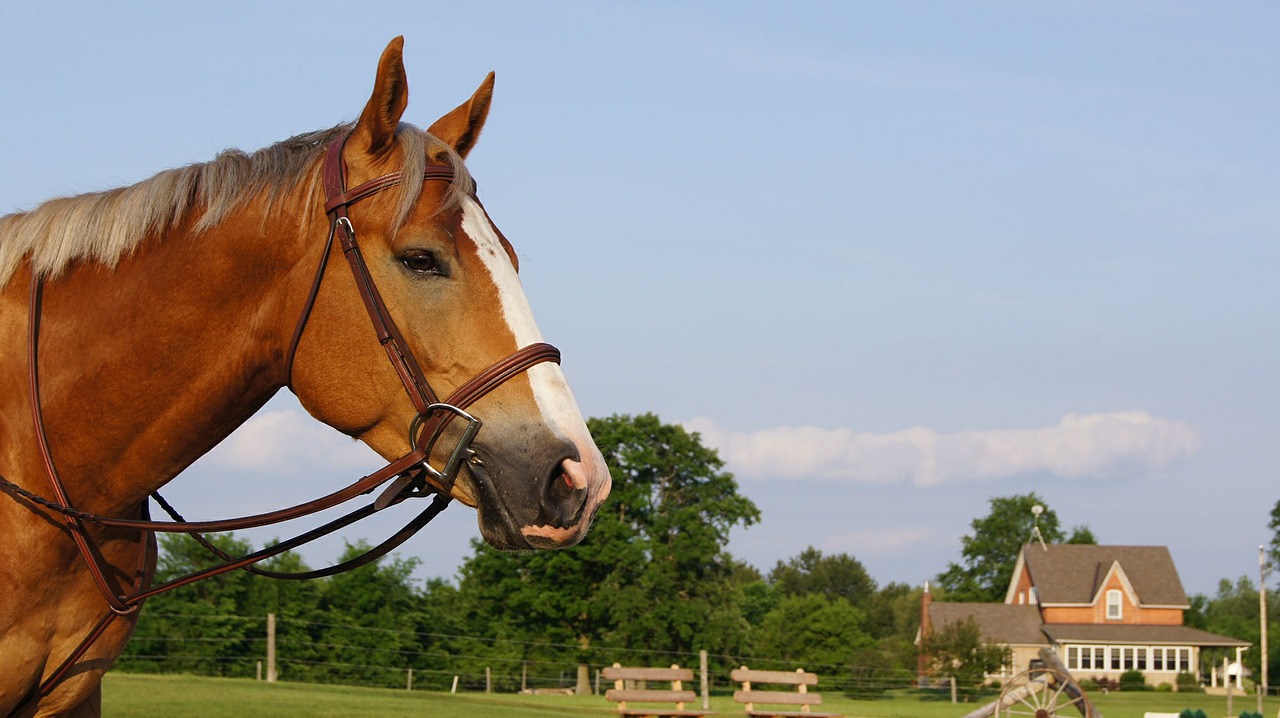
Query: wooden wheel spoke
{"points": [[1059, 687], [1035, 700], [1039, 693], [1033, 706], [1074, 701]]}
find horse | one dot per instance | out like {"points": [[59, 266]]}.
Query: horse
{"points": [[141, 325]]}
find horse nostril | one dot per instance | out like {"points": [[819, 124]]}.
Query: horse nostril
{"points": [[566, 494]]}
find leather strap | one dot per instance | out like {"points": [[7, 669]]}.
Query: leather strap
{"points": [[74, 526], [336, 205], [434, 416], [373, 186]]}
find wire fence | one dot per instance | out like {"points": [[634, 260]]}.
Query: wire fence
{"points": [[315, 652]]}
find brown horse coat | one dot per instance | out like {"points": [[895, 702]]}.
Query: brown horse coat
{"points": [[168, 311]]}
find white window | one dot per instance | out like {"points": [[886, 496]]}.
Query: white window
{"points": [[1115, 604], [1101, 658], [1171, 660]]}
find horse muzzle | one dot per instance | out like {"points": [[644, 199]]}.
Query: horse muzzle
{"points": [[527, 502]]}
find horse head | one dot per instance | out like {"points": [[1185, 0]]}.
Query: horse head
{"points": [[448, 278]]}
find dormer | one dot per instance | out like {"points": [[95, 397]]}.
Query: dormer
{"points": [[1115, 600]]}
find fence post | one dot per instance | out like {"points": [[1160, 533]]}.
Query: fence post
{"points": [[271, 648], [702, 669], [454, 689], [488, 680], [259, 670], [953, 691], [524, 676], [409, 685]]}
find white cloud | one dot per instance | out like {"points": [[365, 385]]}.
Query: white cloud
{"points": [[1081, 446], [291, 442]]}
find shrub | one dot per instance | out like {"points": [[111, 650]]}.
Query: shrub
{"points": [[1133, 681], [1105, 684], [1187, 683]]}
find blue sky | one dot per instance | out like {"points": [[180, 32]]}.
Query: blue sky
{"points": [[893, 259]]}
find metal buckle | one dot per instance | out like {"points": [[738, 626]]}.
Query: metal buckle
{"points": [[346, 227], [411, 484], [462, 450]]}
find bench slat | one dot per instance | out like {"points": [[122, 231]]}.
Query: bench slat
{"points": [[623, 673], [649, 696], [791, 678], [652, 712], [790, 698], [790, 714]]}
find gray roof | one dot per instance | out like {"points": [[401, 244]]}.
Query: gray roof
{"points": [[1073, 573], [1014, 625], [999, 622], [1138, 634]]}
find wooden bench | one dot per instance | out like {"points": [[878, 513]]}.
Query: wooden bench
{"points": [[677, 695], [799, 697]]}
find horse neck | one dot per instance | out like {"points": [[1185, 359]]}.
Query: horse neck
{"points": [[146, 367]]}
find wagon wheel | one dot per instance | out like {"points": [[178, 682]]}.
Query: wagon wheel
{"points": [[1039, 693]]}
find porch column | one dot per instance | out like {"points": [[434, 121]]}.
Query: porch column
{"points": [[1239, 662]]}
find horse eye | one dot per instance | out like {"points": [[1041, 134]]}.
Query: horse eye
{"points": [[420, 261]]}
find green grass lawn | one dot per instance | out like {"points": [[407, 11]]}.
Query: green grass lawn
{"points": [[147, 696]]}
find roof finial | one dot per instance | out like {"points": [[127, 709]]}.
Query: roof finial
{"points": [[1035, 526]]}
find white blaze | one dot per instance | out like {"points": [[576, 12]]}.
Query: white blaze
{"points": [[550, 389]]}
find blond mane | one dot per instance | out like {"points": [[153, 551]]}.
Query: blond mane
{"points": [[107, 226]]}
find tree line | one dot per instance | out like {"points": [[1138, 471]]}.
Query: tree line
{"points": [[651, 583], [652, 579]]}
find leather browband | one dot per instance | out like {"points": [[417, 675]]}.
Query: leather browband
{"points": [[433, 415]]}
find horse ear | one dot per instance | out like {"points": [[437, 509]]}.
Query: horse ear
{"points": [[376, 129], [461, 128]]}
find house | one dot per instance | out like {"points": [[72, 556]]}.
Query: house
{"points": [[1104, 610]]}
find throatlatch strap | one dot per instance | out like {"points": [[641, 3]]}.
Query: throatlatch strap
{"points": [[433, 415]]}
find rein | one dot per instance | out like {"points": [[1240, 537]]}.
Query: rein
{"points": [[412, 473]]}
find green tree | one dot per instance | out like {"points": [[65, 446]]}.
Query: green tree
{"points": [[1195, 616], [651, 574], [1274, 525], [226, 612], [957, 650], [1081, 535], [758, 599], [988, 555], [812, 630], [366, 623], [1233, 612], [893, 619], [836, 576], [894, 611]]}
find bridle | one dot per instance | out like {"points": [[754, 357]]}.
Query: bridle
{"points": [[412, 473]]}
